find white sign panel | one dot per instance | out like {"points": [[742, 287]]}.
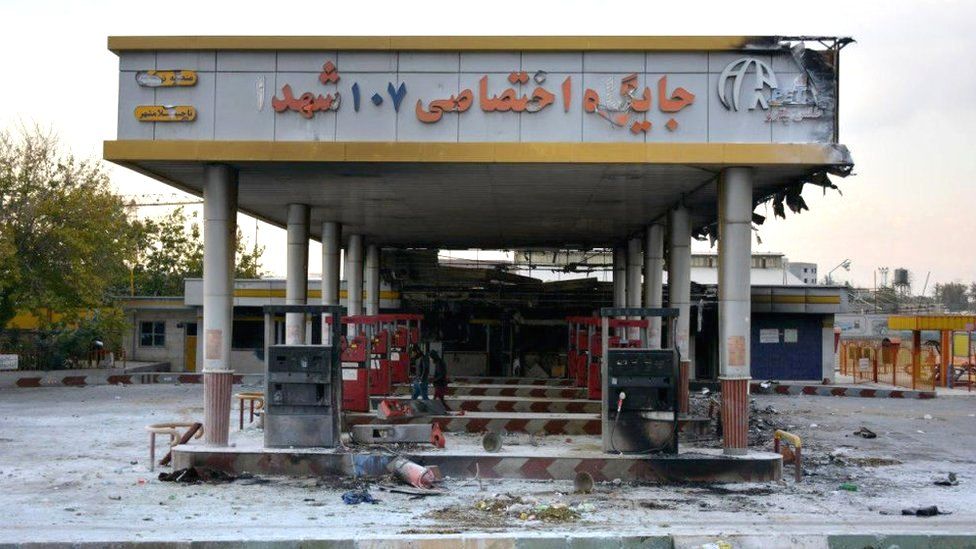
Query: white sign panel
{"points": [[503, 96], [864, 365], [9, 362], [768, 335], [791, 335]]}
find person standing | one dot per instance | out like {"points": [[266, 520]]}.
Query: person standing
{"points": [[440, 378], [421, 374]]}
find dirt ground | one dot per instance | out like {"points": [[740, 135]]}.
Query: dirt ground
{"points": [[74, 467]]}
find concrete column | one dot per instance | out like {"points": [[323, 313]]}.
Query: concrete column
{"points": [[734, 303], [372, 279], [219, 239], [679, 276], [620, 280], [619, 277], [354, 277], [296, 280], [331, 250], [634, 263], [654, 278]]}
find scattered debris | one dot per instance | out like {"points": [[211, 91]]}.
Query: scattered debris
{"points": [[417, 493], [355, 497], [491, 442], [655, 505], [927, 416], [192, 475], [864, 432], [872, 461], [411, 473], [930, 511], [950, 480], [583, 483], [528, 510]]}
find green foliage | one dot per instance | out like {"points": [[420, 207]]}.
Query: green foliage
{"points": [[171, 249], [74, 343], [64, 235], [952, 296]]}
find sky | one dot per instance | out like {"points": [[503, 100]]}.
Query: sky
{"points": [[908, 107]]}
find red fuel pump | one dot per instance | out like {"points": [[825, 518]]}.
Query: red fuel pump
{"points": [[354, 355], [580, 328], [380, 374], [405, 332]]}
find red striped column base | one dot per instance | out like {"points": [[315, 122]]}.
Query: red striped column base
{"points": [[217, 386], [735, 415]]}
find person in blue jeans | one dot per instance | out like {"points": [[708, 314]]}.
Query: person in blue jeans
{"points": [[421, 374]]}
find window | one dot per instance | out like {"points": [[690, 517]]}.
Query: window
{"points": [[152, 334]]}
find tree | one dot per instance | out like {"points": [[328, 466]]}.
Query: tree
{"points": [[952, 296], [64, 235], [171, 250]]}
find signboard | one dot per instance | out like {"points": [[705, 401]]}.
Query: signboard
{"points": [[864, 365], [9, 362], [493, 96], [791, 335], [769, 335]]}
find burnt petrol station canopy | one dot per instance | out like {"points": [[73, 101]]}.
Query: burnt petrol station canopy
{"points": [[492, 142]]}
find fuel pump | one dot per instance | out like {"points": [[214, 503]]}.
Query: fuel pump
{"points": [[639, 386], [303, 395], [577, 356], [355, 357], [380, 369], [406, 332]]}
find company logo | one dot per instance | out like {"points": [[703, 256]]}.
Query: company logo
{"points": [[730, 84]]}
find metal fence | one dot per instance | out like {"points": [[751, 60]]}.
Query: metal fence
{"points": [[890, 363]]}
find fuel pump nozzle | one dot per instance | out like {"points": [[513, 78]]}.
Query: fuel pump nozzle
{"points": [[620, 401]]}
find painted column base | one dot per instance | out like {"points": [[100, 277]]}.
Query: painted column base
{"points": [[217, 386], [735, 415], [684, 369]]}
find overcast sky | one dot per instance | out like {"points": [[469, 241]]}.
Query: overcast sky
{"points": [[908, 97]]}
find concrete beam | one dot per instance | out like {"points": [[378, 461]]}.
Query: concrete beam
{"points": [[654, 278], [634, 264], [296, 280], [372, 279], [679, 276], [734, 303], [331, 250], [219, 236], [354, 277]]}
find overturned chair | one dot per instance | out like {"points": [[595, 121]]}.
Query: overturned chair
{"points": [[193, 430]]}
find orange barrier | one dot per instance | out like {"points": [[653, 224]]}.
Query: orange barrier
{"points": [[890, 362]]}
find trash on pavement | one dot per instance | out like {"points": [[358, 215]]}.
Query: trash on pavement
{"points": [[355, 497], [950, 480]]}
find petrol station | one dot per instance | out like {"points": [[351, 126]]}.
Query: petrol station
{"points": [[372, 144]]}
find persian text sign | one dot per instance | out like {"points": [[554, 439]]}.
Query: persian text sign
{"points": [[499, 96], [9, 362]]}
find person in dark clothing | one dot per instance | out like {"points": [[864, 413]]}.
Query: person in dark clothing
{"points": [[440, 378], [421, 374]]}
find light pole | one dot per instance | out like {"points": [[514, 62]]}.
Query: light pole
{"points": [[846, 264]]}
